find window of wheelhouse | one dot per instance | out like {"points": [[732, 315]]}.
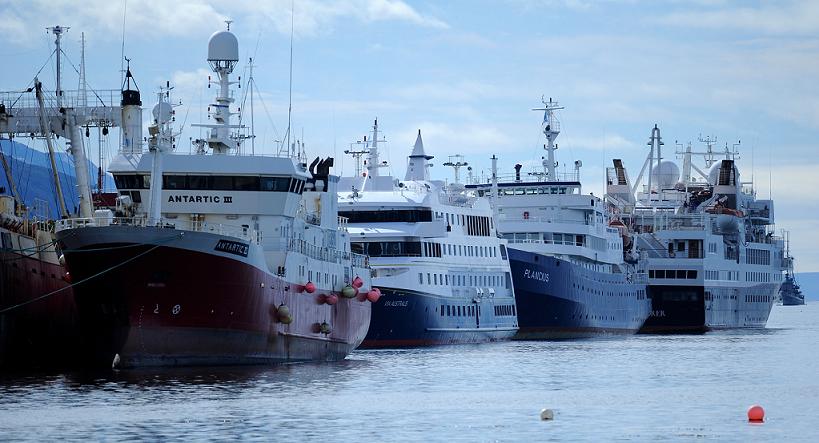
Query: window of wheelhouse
{"points": [[132, 181]]}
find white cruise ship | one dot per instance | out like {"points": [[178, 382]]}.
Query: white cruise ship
{"points": [[714, 261], [436, 256]]}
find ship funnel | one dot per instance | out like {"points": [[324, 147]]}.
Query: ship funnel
{"points": [[131, 108], [517, 172]]}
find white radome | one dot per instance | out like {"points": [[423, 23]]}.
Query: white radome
{"points": [[666, 174], [223, 46], [162, 112]]}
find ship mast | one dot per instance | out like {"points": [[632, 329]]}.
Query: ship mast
{"points": [[46, 131], [223, 55], [456, 162], [551, 129]]}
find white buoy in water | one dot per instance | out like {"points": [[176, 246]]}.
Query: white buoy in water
{"points": [[115, 363], [547, 414]]}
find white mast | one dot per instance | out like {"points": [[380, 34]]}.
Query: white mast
{"points": [[223, 55], [73, 120], [161, 141], [551, 129], [456, 162], [58, 32], [373, 160]]}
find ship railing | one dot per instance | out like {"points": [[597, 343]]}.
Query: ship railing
{"points": [[326, 254], [240, 232], [672, 222], [538, 177], [506, 218]]}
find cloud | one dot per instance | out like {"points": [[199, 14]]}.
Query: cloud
{"points": [[796, 17], [607, 142], [158, 19]]}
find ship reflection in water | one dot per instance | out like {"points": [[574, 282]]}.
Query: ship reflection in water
{"points": [[622, 387]]}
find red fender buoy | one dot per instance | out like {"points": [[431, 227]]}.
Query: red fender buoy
{"points": [[373, 295], [331, 299], [357, 282], [310, 287]]}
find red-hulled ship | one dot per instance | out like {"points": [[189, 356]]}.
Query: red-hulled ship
{"points": [[37, 318], [215, 258]]}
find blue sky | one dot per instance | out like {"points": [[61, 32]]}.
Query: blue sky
{"points": [[467, 73]]}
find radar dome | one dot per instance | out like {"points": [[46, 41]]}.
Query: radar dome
{"points": [[223, 46], [162, 112], [666, 174]]}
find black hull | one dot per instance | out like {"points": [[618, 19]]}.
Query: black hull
{"points": [[675, 310]]}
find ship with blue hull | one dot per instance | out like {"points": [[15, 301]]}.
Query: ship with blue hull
{"points": [[442, 271], [573, 268]]}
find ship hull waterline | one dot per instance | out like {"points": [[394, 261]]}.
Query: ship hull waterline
{"points": [[405, 318], [559, 300], [158, 297]]}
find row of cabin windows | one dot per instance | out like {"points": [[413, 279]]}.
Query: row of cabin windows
{"points": [[527, 191], [424, 249], [758, 298], [476, 225], [758, 256], [463, 280], [460, 311], [213, 183], [556, 238], [762, 277], [672, 273], [502, 310], [639, 294], [391, 216]]}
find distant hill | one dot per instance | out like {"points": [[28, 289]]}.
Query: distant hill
{"points": [[31, 171], [809, 283]]}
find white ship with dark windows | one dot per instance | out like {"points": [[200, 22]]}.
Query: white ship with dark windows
{"points": [[436, 256], [215, 257], [714, 261], [567, 255]]}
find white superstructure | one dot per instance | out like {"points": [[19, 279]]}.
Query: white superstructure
{"points": [[704, 227], [431, 242]]}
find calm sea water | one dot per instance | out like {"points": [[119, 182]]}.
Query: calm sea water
{"points": [[634, 388]]}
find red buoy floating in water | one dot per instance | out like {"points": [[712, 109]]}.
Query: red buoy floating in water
{"points": [[310, 287], [756, 414]]}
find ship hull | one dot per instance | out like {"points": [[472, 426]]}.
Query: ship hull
{"points": [[35, 333], [408, 318], [739, 307], [161, 297], [557, 299], [675, 310], [792, 300]]}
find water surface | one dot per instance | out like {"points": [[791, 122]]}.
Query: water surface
{"points": [[666, 388]]}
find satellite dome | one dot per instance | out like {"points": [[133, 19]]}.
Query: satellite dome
{"points": [[162, 112], [666, 174], [223, 46]]}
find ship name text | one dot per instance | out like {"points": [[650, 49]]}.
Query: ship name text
{"points": [[536, 275], [200, 199]]}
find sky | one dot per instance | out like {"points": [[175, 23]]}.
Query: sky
{"points": [[467, 73]]}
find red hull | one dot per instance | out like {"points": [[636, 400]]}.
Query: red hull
{"points": [[175, 306], [39, 333]]}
